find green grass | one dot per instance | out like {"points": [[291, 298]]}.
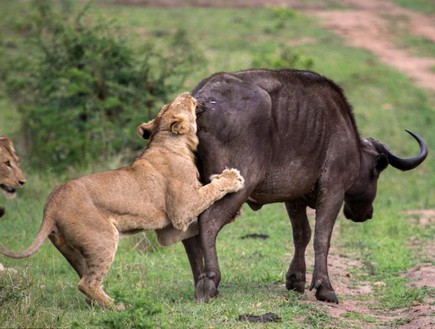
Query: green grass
{"points": [[156, 286], [416, 45], [420, 45], [422, 6]]}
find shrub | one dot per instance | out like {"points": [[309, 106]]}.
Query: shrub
{"points": [[86, 89], [283, 57]]}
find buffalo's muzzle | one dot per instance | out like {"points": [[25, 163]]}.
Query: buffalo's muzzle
{"points": [[358, 217]]}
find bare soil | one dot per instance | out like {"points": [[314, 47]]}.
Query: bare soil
{"points": [[356, 306], [368, 25]]}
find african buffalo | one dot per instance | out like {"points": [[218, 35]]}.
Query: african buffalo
{"points": [[292, 135]]}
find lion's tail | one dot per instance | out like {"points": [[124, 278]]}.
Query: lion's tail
{"points": [[46, 228]]}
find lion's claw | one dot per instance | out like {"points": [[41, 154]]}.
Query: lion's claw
{"points": [[234, 181]]}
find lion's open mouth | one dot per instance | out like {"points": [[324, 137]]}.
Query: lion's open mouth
{"points": [[9, 191]]}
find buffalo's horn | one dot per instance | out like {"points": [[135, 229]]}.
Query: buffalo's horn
{"points": [[407, 163]]}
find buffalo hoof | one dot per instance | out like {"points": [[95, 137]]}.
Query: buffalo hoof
{"points": [[324, 292], [205, 288], [295, 282], [326, 295]]}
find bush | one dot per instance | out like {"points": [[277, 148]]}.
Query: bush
{"points": [[283, 57], [85, 90]]}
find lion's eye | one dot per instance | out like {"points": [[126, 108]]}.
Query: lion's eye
{"points": [[8, 163]]}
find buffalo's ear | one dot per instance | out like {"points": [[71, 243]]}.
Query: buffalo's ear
{"points": [[381, 163], [180, 125], [145, 129]]}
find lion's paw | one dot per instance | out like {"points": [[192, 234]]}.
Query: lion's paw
{"points": [[232, 180]]}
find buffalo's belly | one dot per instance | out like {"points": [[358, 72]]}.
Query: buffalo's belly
{"points": [[280, 186]]}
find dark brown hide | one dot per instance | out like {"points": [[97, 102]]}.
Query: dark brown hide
{"points": [[293, 137]]}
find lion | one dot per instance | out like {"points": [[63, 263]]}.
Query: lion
{"points": [[160, 190], [11, 176]]}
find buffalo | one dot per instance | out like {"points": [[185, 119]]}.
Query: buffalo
{"points": [[293, 136]]}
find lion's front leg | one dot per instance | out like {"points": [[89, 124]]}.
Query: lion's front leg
{"points": [[228, 181], [170, 235]]}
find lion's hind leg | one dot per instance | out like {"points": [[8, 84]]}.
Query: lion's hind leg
{"points": [[91, 254], [72, 255], [99, 257]]}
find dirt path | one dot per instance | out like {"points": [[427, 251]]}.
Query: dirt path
{"points": [[355, 297], [368, 25], [357, 307]]}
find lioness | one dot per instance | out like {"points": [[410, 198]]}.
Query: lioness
{"points": [[11, 176], [85, 217]]}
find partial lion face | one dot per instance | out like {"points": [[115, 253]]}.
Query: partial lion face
{"points": [[178, 117], [11, 176]]}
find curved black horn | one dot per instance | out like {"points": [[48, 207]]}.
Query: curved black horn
{"points": [[407, 163]]}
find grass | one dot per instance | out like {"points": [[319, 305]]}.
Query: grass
{"points": [[422, 6], [156, 285], [416, 45]]}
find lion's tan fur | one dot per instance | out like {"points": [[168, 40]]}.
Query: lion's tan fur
{"points": [[11, 176], [159, 191]]}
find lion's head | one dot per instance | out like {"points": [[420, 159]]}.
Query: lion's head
{"points": [[11, 176], [178, 117]]}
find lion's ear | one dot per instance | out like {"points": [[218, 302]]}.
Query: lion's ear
{"points": [[180, 125], [7, 143], [145, 129]]}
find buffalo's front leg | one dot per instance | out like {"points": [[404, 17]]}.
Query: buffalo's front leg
{"points": [[296, 275], [326, 214], [211, 222]]}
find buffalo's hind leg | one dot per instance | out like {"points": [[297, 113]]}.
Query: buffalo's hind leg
{"points": [[296, 275]]}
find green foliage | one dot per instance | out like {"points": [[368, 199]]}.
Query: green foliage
{"points": [[283, 57], [88, 89], [279, 15]]}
